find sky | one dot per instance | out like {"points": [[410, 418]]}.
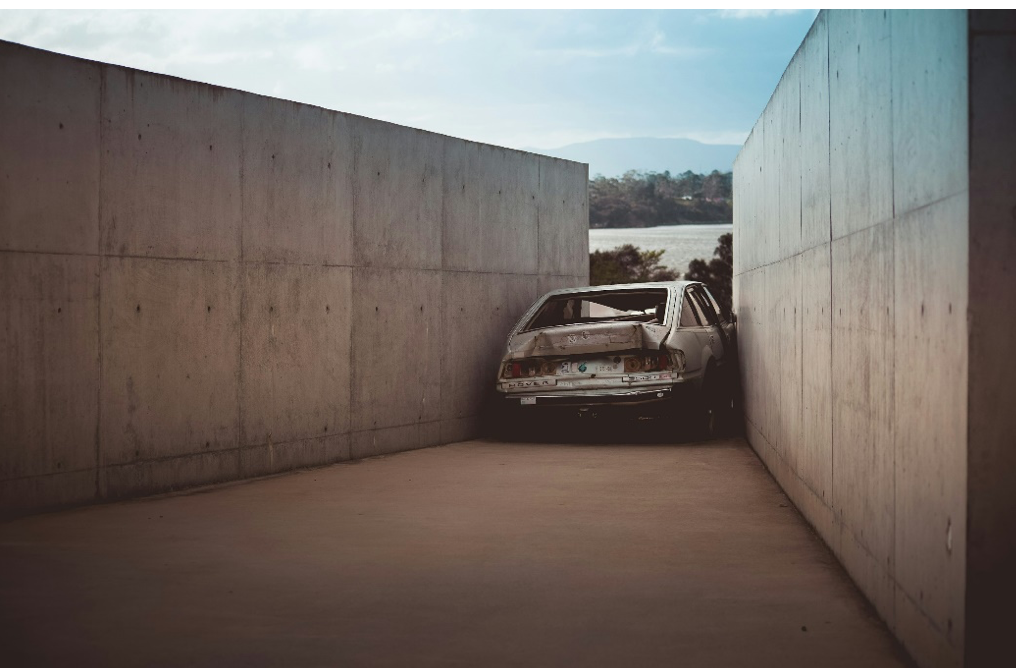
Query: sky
{"points": [[522, 79]]}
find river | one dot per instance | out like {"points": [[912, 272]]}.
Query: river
{"points": [[680, 243]]}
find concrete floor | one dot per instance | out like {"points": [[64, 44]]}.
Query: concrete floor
{"points": [[477, 553]]}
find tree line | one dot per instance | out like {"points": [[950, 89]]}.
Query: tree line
{"points": [[650, 199]]}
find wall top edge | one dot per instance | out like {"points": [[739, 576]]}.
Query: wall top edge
{"points": [[7, 44]]}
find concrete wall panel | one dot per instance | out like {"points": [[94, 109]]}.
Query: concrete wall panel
{"points": [[562, 199], [170, 167], [863, 347], [398, 338], [788, 155], [789, 344], [931, 307], [815, 456], [297, 183], [295, 352], [815, 187], [22, 495], [270, 458], [860, 122], [170, 365], [397, 195], [490, 210], [49, 164], [929, 101], [386, 440], [768, 244], [49, 360], [167, 474]]}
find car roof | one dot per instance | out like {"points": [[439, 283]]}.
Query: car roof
{"points": [[675, 285]]}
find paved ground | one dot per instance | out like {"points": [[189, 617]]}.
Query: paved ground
{"points": [[472, 554]]}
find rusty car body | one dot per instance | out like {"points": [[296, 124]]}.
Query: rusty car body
{"points": [[640, 346]]}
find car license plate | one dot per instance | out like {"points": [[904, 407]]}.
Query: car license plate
{"points": [[528, 401], [642, 377]]}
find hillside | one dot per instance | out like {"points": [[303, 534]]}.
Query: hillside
{"points": [[614, 157]]}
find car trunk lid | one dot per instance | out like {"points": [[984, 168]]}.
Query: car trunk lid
{"points": [[587, 338]]}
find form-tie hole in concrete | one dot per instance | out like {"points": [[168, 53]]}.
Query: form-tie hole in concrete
{"points": [[138, 308], [61, 126], [209, 309]]}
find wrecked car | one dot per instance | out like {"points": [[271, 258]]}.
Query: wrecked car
{"points": [[647, 348]]}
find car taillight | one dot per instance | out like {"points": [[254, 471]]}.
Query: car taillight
{"points": [[656, 362], [529, 368]]}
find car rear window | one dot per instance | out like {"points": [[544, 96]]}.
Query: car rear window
{"points": [[605, 306]]}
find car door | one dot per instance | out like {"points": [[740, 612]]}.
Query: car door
{"points": [[717, 338], [726, 320], [692, 336]]}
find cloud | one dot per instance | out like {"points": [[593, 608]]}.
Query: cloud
{"points": [[653, 43], [755, 13], [717, 137], [507, 78]]}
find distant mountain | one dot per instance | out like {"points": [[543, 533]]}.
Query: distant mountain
{"points": [[614, 157]]}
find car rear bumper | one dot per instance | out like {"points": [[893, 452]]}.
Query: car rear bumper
{"points": [[592, 398]]}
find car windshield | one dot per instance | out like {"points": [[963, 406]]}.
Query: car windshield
{"points": [[604, 306]]}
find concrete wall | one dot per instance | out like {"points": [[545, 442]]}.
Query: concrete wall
{"points": [[199, 284], [851, 206]]}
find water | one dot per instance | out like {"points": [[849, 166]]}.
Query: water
{"points": [[680, 243]]}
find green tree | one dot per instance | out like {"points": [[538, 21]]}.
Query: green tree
{"points": [[628, 264], [718, 272]]}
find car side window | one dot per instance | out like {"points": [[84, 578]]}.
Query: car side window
{"points": [[689, 316], [705, 306], [723, 315]]}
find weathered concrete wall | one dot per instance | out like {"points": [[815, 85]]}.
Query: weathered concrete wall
{"points": [[851, 288], [199, 284]]}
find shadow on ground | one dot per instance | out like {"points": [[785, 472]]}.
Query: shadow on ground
{"points": [[614, 430]]}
